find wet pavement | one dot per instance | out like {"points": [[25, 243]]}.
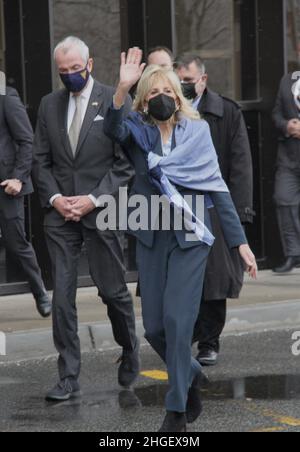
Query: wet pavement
{"points": [[255, 387], [18, 313]]}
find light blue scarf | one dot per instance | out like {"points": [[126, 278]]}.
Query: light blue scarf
{"points": [[192, 164]]}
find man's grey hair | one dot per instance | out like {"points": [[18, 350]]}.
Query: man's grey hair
{"points": [[188, 58], [70, 42]]}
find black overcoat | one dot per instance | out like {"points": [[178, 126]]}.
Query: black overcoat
{"points": [[224, 275]]}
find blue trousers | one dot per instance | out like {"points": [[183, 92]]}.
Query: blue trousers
{"points": [[171, 284]]}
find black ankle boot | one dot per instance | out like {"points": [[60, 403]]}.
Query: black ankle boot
{"points": [[288, 266], [194, 403], [174, 422]]}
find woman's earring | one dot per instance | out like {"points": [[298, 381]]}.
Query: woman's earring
{"points": [[146, 111]]}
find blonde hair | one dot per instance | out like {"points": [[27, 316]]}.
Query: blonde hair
{"points": [[151, 75]]}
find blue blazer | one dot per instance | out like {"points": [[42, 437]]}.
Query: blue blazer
{"points": [[116, 129]]}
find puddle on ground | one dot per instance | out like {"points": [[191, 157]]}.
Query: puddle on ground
{"points": [[273, 387]]}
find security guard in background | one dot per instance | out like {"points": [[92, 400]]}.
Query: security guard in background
{"points": [[224, 274], [16, 138]]}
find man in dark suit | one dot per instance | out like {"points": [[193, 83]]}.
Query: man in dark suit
{"points": [[224, 273], [286, 116], [74, 164], [15, 167]]}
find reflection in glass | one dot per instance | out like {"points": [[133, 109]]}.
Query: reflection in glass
{"points": [[224, 34], [293, 35], [206, 27], [98, 24], [2, 47]]}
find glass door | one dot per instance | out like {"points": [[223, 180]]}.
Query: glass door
{"points": [[241, 42], [2, 43], [207, 28], [293, 35]]}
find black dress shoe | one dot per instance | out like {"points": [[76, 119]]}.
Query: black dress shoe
{"points": [[130, 366], [194, 403], [64, 390], [288, 266], [207, 358], [174, 422], [43, 304]]}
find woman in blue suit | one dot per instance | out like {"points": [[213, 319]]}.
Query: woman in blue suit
{"points": [[173, 155]]}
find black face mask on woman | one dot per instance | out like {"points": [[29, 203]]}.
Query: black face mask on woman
{"points": [[162, 107]]}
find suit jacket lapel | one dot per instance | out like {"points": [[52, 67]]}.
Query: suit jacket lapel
{"points": [[63, 106], [93, 109]]}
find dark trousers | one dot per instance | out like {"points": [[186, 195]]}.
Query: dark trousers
{"points": [[16, 243], [210, 325], [171, 282], [105, 257], [287, 198], [289, 226]]}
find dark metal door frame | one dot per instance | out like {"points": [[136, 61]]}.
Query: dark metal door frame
{"points": [[149, 23], [28, 69], [272, 66]]}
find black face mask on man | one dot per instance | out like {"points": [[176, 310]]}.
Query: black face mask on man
{"points": [[189, 90], [76, 81], [162, 107]]}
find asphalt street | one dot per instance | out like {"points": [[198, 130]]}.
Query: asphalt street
{"points": [[255, 388]]}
